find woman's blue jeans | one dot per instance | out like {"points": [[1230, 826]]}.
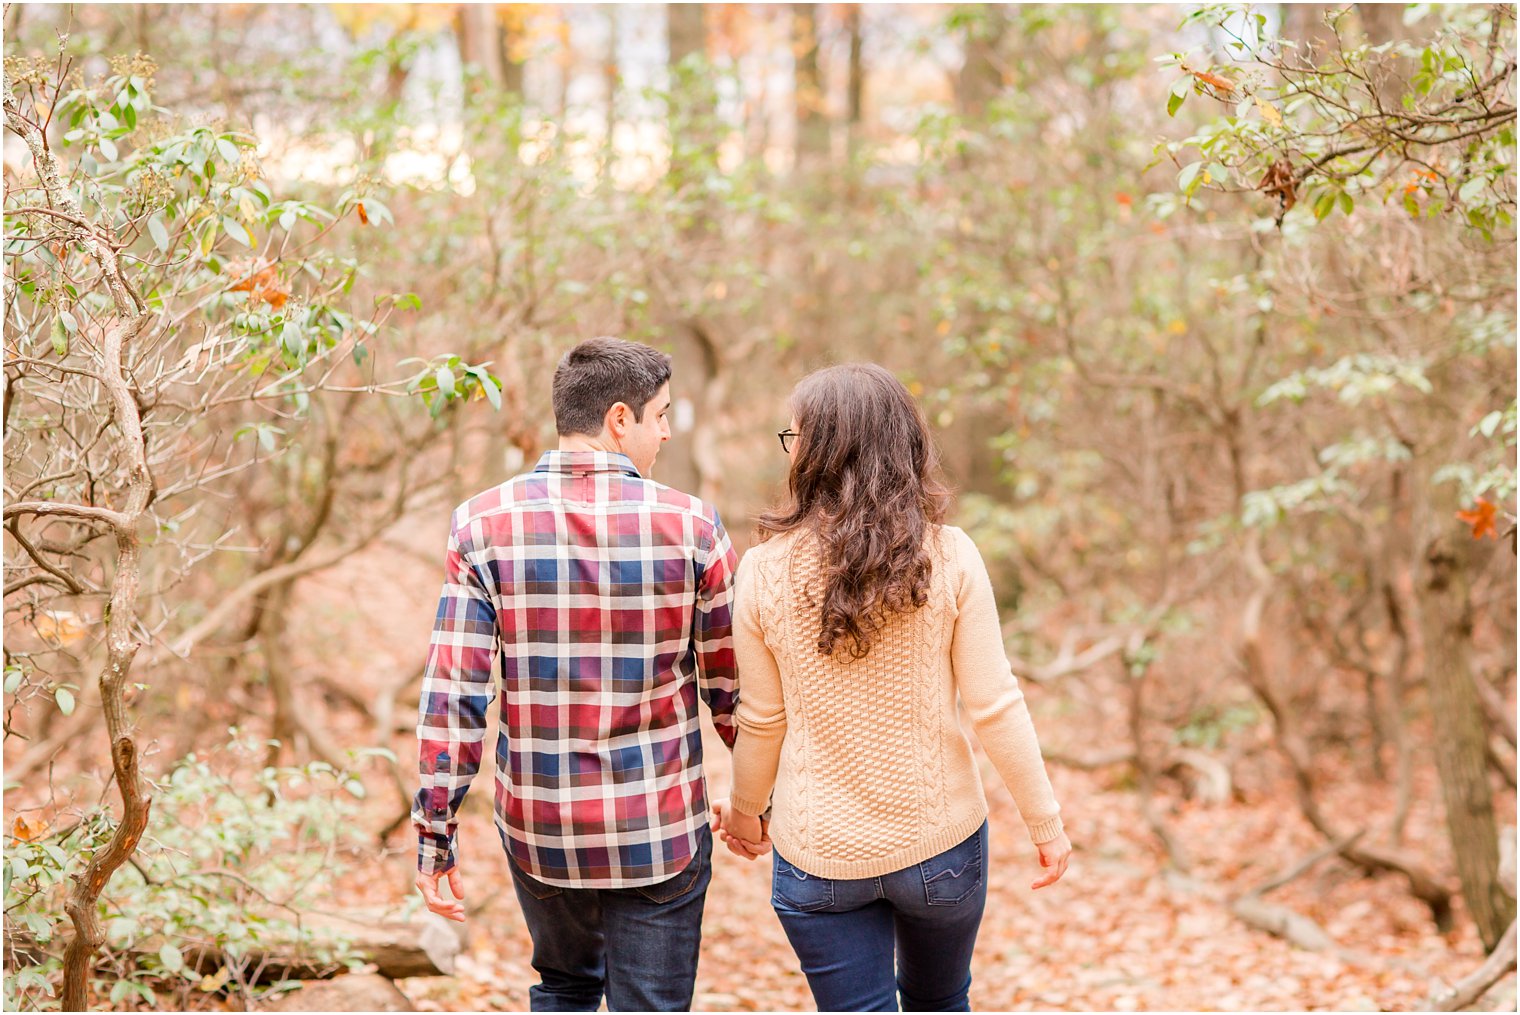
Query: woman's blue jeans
{"points": [[863, 942]]}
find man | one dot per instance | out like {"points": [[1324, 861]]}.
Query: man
{"points": [[606, 597]]}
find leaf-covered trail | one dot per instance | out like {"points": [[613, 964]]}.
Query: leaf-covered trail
{"points": [[1119, 932]]}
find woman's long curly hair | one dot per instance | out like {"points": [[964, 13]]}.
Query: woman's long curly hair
{"points": [[865, 482]]}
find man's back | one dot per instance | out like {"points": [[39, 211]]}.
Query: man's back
{"points": [[607, 597]]}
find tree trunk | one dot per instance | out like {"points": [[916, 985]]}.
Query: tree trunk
{"points": [[610, 83], [856, 85], [807, 89], [685, 30], [1305, 25], [475, 32], [1461, 732], [130, 446], [510, 32], [981, 77]]}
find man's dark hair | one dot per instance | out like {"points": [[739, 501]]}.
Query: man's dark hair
{"points": [[598, 374]]}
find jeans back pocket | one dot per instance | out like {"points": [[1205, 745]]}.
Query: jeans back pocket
{"points": [[798, 890], [954, 874]]}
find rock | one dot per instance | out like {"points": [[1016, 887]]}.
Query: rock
{"points": [[353, 992]]}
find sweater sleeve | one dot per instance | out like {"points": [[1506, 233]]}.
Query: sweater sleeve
{"points": [[761, 713], [993, 697]]}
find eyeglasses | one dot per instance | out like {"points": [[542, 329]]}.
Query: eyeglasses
{"points": [[786, 437]]}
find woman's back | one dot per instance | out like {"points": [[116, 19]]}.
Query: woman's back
{"points": [[871, 769]]}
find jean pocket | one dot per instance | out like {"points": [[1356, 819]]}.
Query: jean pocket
{"points": [[673, 888], [798, 890], [954, 874], [530, 884]]}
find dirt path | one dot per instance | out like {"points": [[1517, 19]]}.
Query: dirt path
{"points": [[1116, 933]]}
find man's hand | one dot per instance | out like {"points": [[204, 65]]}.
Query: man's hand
{"points": [[1053, 857], [749, 838], [449, 909]]}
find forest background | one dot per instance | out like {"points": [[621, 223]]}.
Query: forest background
{"points": [[1212, 308]]}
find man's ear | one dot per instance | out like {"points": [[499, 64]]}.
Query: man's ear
{"points": [[618, 418]]}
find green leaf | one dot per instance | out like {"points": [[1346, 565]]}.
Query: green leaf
{"points": [[493, 392], [1174, 102], [160, 234], [70, 325], [236, 231], [1324, 204], [1188, 175], [107, 148], [445, 378], [65, 699], [228, 151], [291, 338], [1348, 204], [60, 337], [13, 680], [287, 219], [171, 958]]}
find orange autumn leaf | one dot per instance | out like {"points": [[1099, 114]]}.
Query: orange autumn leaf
{"points": [[274, 295], [1482, 518], [250, 275], [363, 215], [61, 627], [27, 831], [1218, 82]]}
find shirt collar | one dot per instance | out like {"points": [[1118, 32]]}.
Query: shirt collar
{"points": [[571, 462]]}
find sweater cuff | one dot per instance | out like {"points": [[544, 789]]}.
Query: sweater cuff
{"points": [[753, 808], [1041, 832]]}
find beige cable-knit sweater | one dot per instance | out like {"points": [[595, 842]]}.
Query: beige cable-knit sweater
{"points": [[871, 770]]}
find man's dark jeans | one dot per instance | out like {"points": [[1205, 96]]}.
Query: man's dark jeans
{"points": [[636, 945], [921, 919]]}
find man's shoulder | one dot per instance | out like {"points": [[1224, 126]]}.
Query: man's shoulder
{"points": [[668, 498], [529, 491], [515, 492]]}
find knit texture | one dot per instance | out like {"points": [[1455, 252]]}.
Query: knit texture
{"points": [[864, 762]]}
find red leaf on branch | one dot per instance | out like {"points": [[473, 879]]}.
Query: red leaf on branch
{"points": [[1222, 84], [1482, 519]]}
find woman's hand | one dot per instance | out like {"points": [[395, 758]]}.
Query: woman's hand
{"points": [[1053, 857], [745, 835]]}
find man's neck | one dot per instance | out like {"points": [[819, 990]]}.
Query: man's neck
{"points": [[581, 442]]}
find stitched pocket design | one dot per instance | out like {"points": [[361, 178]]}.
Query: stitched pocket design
{"points": [[798, 890], [954, 874]]}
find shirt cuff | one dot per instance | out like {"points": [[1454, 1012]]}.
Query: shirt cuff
{"points": [[1041, 832], [435, 853]]}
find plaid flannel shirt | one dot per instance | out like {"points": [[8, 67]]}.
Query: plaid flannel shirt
{"points": [[606, 598]]}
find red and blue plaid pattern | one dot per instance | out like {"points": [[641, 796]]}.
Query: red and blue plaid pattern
{"points": [[606, 597]]}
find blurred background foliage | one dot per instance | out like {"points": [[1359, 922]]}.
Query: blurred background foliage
{"points": [[1213, 310]]}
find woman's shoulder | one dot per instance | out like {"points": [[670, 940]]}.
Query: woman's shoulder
{"points": [[953, 541], [958, 551], [773, 549]]}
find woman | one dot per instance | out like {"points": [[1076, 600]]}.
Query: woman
{"points": [[858, 620]]}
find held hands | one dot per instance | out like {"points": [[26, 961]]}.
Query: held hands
{"points": [[745, 835], [1053, 857], [449, 909]]}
